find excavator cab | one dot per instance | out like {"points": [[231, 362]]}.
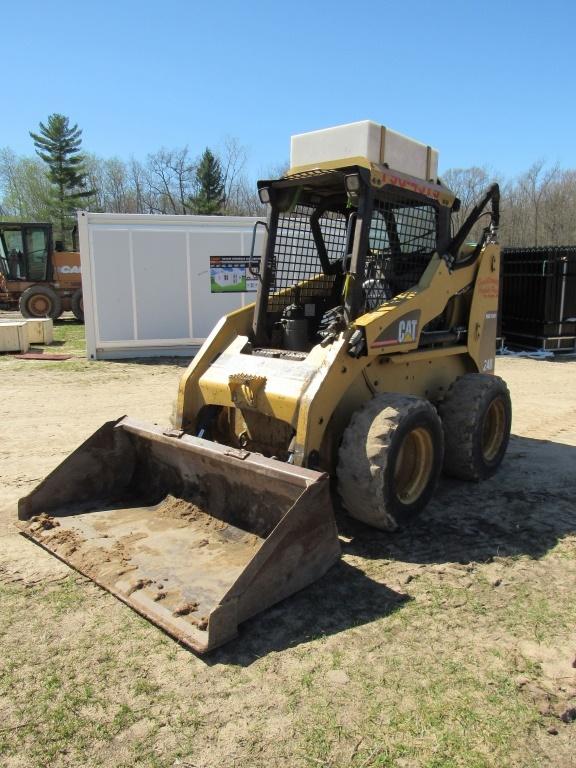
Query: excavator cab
{"points": [[25, 251], [38, 275]]}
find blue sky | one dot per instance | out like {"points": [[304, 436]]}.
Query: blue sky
{"points": [[487, 83]]}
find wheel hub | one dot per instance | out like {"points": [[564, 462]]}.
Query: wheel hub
{"points": [[414, 465], [40, 306], [493, 429]]}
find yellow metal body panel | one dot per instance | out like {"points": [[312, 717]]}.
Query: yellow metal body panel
{"points": [[410, 311], [317, 395], [190, 397], [482, 327]]}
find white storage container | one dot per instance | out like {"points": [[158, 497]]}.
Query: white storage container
{"points": [[147, 280], [14, 337], [364, 139]]}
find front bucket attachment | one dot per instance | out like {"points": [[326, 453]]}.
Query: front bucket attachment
{"points": [[195, 536]]}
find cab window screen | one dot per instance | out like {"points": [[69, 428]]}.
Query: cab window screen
{"points": [[296, 257], [402, 239]]}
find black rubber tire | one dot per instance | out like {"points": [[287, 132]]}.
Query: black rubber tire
{"points": [[468, 418], [40, 301], [77, 305], [367, 466]]}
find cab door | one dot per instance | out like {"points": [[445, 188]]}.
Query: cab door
{"points": [[37, 250], [14, 252]]}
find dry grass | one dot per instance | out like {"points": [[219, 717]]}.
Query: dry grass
{"points": [[447, 646], [442, 679]]}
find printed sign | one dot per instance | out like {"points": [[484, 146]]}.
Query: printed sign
{"points": [[488, 287], [230, 274]]}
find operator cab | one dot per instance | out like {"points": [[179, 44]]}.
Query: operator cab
{"points": [[341, 242], [24, 251]]}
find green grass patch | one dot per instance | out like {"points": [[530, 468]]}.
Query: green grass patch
{"points": [[69, 336], [66, 596]]}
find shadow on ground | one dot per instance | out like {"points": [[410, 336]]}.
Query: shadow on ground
{"points": [[562, 357], [345, 597], [523, 510], [170, 362]]}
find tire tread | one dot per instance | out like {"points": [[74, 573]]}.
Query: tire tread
{"points": [[460, 412], [363, 456]]}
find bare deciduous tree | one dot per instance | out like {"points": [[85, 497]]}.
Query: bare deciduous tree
{"points": [[535, 184], [558, 210], [165, 183], [468, 184], [137, 178], [232, 159], [24, 187], [170, 176], [538, 207]]}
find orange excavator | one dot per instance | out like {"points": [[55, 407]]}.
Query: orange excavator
{"points": [[37, 275]]}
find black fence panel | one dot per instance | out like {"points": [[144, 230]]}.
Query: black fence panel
{"points": [[539, 296]]}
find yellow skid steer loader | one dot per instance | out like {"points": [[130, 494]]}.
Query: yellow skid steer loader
{"points": [[367, 358]]}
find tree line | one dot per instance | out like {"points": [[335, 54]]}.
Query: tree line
{"points": [[61, 178], [537, 208]]}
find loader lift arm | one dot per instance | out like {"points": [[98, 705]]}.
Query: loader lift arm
{"points": [[492, 195]]}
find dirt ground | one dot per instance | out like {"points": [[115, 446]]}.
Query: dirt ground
{"points": [[450, 644]]}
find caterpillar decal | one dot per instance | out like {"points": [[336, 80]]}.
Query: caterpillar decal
{"points": [[403, 331]]}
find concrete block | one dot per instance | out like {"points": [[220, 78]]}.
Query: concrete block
{"points": [[40, 330], [14, 337], [368, 140]]}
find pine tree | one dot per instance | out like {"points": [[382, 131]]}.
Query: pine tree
{"points": [[58, 144], [209, 179]]}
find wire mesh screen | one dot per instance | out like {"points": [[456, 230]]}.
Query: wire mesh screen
{"points": [[333, 227], [402, 239], [296, 257]]}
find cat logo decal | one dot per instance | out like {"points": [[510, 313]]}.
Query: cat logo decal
{"points": [[402, 331]]}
